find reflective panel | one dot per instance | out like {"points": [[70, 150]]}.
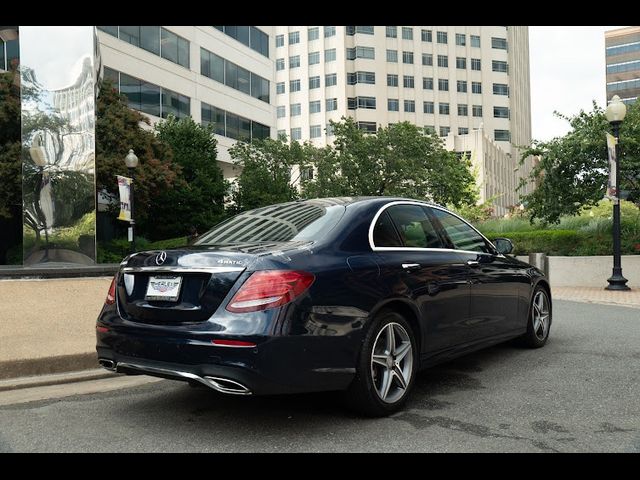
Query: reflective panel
{"points": [[58, 85]]}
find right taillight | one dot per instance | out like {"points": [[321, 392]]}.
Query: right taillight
{"points": [[111, 294], [269, 289]]}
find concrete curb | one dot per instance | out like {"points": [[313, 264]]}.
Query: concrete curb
{"points": [[48, 365], [55, 379]]}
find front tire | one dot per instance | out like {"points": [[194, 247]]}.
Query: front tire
{"points": [[539, 321], [386, 367]]}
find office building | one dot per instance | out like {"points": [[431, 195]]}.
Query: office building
{"points": [[622, 55]]}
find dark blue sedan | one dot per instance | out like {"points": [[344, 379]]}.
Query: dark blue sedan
{"points": [[353, 294]]}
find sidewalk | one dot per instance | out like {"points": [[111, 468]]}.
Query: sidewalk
{"points": [[45, 342]]}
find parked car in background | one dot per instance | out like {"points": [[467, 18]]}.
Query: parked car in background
{"points": [[353, 294]]}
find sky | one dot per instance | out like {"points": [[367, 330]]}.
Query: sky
{"points": [[567, 74]]}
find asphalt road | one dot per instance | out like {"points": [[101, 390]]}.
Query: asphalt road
{"points": [[580, 393]]}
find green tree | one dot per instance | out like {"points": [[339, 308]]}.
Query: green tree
{"points": [[198, 201], [118, 130], [573, 169], [266, 176], [400, 159], [10, 166]]}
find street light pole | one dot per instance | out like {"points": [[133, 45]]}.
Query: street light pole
{"points": [[131, 161], [615, 113]]}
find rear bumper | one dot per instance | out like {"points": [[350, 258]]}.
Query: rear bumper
{"points": [[277, 365]]}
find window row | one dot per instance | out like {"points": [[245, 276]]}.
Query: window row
{"points": [[427, 36], [154, 39], [626, 48], [148, 97], [234, 76], [233, 126], [330, 79], [315, 106], [252, 37], [352, 30]]}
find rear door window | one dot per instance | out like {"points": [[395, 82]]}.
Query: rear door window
{"points": [[414, 227]]}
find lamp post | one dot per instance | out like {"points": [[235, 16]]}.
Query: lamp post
{"points": [[616, 111], [131, 160]]}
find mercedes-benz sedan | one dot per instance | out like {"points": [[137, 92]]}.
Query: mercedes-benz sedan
{"points": [[353, 294]]}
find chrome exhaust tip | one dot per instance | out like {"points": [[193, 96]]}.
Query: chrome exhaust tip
{"points": [[108, 364], [224, 385]]}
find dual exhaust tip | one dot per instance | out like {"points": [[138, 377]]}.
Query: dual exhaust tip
{"points": [[223, 385]]}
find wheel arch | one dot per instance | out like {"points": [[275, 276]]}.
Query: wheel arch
{"points": [[408, 310]]}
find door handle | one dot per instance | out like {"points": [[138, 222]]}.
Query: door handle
{"points": [[411, 266], [473, 263]]}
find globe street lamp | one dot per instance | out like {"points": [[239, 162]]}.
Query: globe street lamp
{"points": [[131, 160], [616, 111]]}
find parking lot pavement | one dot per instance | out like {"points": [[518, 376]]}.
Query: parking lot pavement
{"points": [[580, 393]]}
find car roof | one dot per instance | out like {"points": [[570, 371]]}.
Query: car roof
{"points": [[369, 199]]}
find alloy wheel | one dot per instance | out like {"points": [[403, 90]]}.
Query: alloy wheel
{"points": [[392, 362], [540, 315]]}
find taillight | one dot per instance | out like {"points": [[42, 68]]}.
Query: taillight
{"points": [[111, 294], [268, 289]]}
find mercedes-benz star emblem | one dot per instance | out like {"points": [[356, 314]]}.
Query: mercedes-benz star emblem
{"points": [[160, 258]]}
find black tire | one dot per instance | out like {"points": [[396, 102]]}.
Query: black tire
{"points": [[362, 395], [537, 337]]}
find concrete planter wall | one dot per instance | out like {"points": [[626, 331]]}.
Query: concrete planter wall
{"points": [[589, 271]]}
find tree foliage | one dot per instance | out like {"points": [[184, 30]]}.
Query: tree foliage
{"points": [[573, 169], [197, 201], [397, 160], [266, 176]]}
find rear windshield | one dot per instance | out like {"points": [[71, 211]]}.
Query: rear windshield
{"points": [[277, 223]]}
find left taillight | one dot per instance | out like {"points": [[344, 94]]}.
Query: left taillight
{"points": [[111, 294], [269, 289]]}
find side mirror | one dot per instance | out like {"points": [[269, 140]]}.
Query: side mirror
{"points": [[503, 245]]}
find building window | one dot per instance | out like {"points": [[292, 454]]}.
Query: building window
{"points": [[407, 33], [232, 125], [280, 88], [296, 133], [279, 64], [330, 79], [427, 107], [499, 43], [442, 37], [443, 61], [463, 131], [331, 104], [461, 39], [427, 59], [329, 31], [294, 37], [499, 66], [475, 41], [365, 29], [294, 86], [368, 127], [476, 87], [475, 64], [307, 173], [426, 35], [500, 112], [281, 111], [463, 110], [315, 131], [443, 108], [443, 84], [427, 83], [461, 86], [444, 131], [156, 40], [392, 80], [314, 82], [409, 106], [252, 37], [330, 55], [429, 129], [408, 81], [314, 106], [361, 77], [477, 110], [393, 105], [313, 33], [282, 134], [368, 103], [329, 129], [501, 89], [294, 61], [314, 58], [461, 62], [279, 41], [361, 52], [392, 56], [392, 32], [295, 109], [407, 57], [502, 135]]}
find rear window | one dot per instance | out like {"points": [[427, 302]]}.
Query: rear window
{"points": [[277, 223]]}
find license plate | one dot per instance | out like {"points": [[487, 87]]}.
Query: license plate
{"points": [[164, 288]]}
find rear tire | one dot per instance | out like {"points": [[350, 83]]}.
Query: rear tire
{"points": [[539, 320], [386, 367]]}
